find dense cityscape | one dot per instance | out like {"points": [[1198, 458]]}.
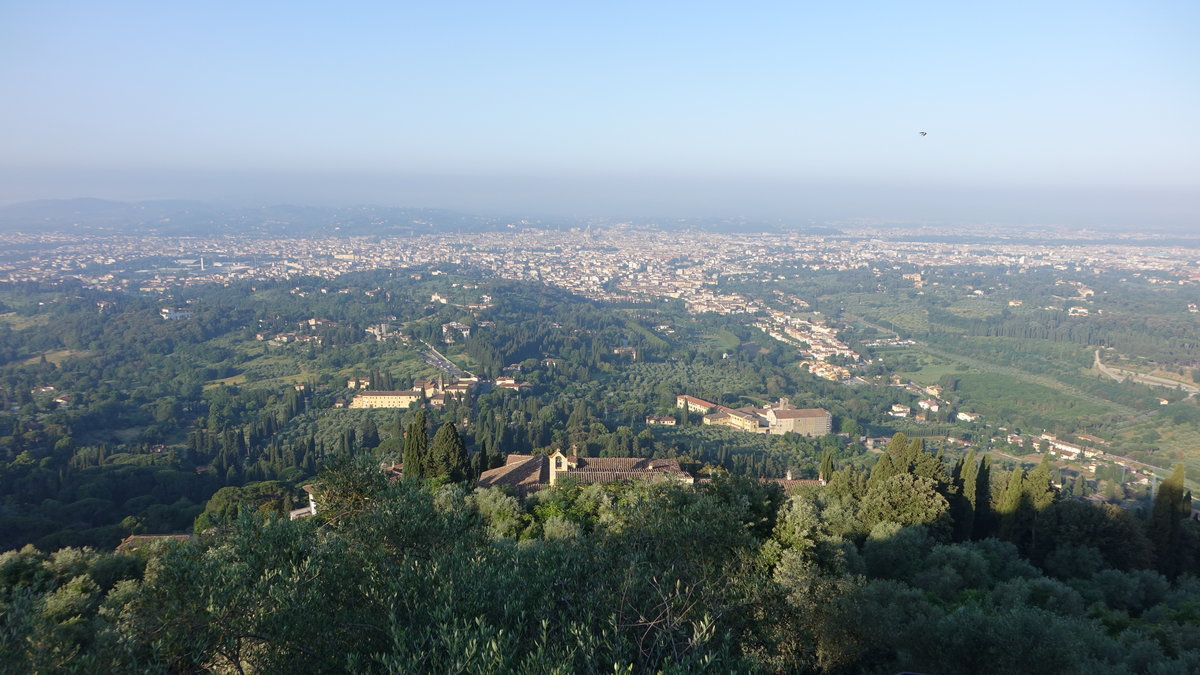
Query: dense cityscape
{"points": [[610, 264]]}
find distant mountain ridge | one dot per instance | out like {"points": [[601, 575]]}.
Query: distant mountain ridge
{"points": [[183, 218], [196, 218]]}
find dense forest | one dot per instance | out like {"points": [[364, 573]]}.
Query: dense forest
{"points": [[914, 565]]}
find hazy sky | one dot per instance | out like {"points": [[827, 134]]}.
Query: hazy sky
{"points": [[1042, 112]]}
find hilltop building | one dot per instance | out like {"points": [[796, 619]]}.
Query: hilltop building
{"points": [[428, 392], [176, 313], [778, 418], [309, 510], [804, 421], [525, 474], [693, 404]]}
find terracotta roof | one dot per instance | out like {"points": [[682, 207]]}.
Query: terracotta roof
{"points": [[626, 464], [789, 485], [598, 476], [406, 392], [617, 469], [523, 473], [529, 473], [135, 541]]}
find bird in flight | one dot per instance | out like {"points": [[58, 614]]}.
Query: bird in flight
{"points": [[922, 133]]}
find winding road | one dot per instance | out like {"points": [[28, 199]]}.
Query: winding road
{"points": [[1141, 378]]}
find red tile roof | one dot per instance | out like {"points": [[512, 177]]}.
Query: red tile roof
{"points": [[528, 473], [136, 541], [522, 473]]}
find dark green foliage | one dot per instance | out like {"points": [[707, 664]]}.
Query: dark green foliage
{"points": [[850, 483], [964, 503], [908, 486], [1115, 535], [271, 497], [906, 499], [908, 456], [898, 571], [368, 436], [407, 581], [1015, 510], [1172, 505], [416, 447], [724, 576], [448, 455]]}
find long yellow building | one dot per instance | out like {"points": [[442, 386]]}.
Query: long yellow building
{"points": [[387, 399]]}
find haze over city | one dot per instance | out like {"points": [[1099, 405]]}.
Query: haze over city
{"points": [[1071, 114]]}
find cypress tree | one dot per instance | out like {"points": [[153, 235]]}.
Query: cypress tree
{"points": [[969, 477], [1080, 488], [826, 465], [448, 454], [983, 499], [963, 503], [1170, 507], [883, 470], [1038, 494], [416, 447], [1013, 507], [1038, 486], [368, 434]]}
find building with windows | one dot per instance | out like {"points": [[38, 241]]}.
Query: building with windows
{"points": [[776, 418], [693, 404], [387, 399]]}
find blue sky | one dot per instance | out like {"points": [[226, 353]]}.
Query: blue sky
{"points": [[1047, 112]]}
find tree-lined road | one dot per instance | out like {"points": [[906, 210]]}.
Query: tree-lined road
{"points": [[1121, 375]]}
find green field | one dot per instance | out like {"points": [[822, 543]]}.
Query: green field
{"points": [[636, 326], [724, 339], [1171, 436], [292, 364], [931, 369], [58, 356], [18, 322], [906, 317], [1007, 398], [976, 308]]}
